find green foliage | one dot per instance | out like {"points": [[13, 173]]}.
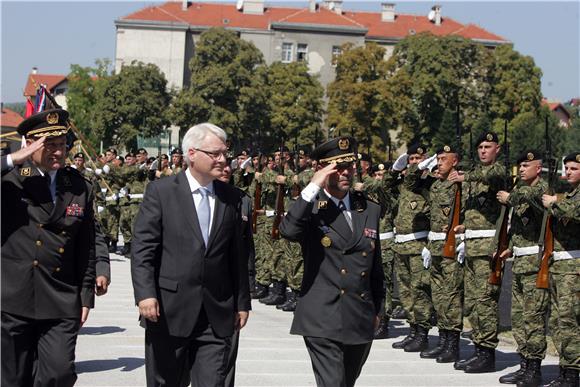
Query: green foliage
{"points": [[446, 133], [131, 103], [227, 86]]}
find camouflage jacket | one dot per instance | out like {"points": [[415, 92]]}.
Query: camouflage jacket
{"points": [[441, 197], [566, 228]]}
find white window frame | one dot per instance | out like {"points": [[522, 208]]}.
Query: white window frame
{"points": [[302, 49], [287, 52], [336, 52]]}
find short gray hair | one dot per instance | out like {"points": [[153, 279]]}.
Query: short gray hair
{"points": [[196, 134]]}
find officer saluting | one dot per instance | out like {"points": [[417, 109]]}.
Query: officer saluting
{"points": [[48, 266], [343, 286]]}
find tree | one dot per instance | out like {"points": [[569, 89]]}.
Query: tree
{"points": [[131, 103], [295, 103], [83, 83], [227, 86]]}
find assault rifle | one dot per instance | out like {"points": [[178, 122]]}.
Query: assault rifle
{"points": [[280, 189], [450, 238], [257, 195]]}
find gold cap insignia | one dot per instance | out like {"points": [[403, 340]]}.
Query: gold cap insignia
{"points": [[489, 137], [381, 167], [52, 118], [447, 148], [301, 152], [446, 211], [326, 241], [530, 156], [359, 156], [25, 171], [578, 158], [420, 151], [343, 144], [322, 205]]}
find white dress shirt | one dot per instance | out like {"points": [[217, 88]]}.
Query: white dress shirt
{"points": [[194, 187]]}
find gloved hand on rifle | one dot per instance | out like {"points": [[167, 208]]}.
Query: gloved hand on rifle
{"points": [[460, 250], [426, 254]]}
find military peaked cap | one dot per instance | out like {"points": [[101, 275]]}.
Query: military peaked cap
{"points": [[49, 123], [338, 150], [177, 151]]}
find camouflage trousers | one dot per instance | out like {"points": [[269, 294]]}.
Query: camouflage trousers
{"points": [[388, 258], [414, 289], [447, 292], [127, 216], [529, 308], [294, 264], [269, 253], [110, 221], [481, 301], [565, 317]]}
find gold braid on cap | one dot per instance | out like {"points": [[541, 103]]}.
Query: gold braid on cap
{"points": [[48, 131], [344, 158]]}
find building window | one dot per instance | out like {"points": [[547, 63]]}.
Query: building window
{"points": [[287, 52], [336, 51], [302, 52]]}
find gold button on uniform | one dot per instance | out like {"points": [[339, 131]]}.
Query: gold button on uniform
{"points": [[40, 225], [341, 292], [364, 273], [343, 271], [364, 253], [38, 243], [57, 269], [35, 263], [61, 250]]}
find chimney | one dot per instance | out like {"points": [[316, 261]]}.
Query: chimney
{"points": [[388, 12], [333, 5], [34, 70], [253, 7], [184, 5], [437, 14], [312, 5]]}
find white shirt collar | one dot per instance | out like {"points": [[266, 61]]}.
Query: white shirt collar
{"points": [[194, 184], [345, 200], [52, 175]]}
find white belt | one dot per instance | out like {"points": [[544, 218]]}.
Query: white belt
{"points": [[473, 234], [386, 235], [270, 213], [437, 236], [530, 250], [135, 196], [411, 237], [112, 198], [561, 255]]}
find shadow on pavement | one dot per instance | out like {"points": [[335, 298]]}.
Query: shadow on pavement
{"points": [[100, 330], [126, 364]]}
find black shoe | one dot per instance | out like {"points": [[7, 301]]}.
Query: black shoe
{"points": [[382, 331], [399, 313], [433, 353], [467, 335], [532, 376], [451, 352], [568, 378], [401, 344], [126, 250], [261, 291], [290, 305], [485, 362], [461, 364], [113, 247], [286, 299], [558, 382], [278, 294], [420, 342], [514, 377]]}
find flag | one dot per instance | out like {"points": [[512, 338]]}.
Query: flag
{"points": [[29, 108], [40, 99]]}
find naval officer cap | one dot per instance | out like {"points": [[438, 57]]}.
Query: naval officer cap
{"points": [[48, 123], [339, 150]]}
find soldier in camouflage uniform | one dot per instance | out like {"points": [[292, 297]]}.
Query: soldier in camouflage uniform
{"points": [[446, 272], [110, 215], [529, 303], [480, 187], [412, 228], [176, 161], [565, 275], [132, 181]]}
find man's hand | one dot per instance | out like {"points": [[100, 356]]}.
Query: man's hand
{"points": [[24, 154], [456, 177], [321, 176], [84, 315], [377, 322], [502, 197], [257, 175], [547, 200], [102, 284], [505, 254], [459, 228], [149, 308], [280, 179], [241, 318]]}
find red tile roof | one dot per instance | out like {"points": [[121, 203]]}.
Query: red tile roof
{"points": [[10, 118], [555, 105], [226, 15], [50, 80]]}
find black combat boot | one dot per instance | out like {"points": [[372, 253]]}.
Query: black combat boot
{"points": [[113, 247], [433, 353], [451, 352], [485, 362], [570, 378], [420, 342], [290, 305], [399, 313], [286, 298], [514, 377], [382, 331], [278, 294], [412, 332], [532, 376], [261, 291], [557, 382], [461, 364], [126, 250]]}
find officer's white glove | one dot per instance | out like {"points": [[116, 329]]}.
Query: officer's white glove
{"points": [[98, 171], [100, 209], [401, 162], [246, 163], [429, 163], [426, 254], [234, 164], [106, 169], [270, 213], [103, 190], [122, 192], [460, 252]]}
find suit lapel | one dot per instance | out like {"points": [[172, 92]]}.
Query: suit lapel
{"points": [[218, 213], [35, 185], [335, 218], [184, 196], [359, 221]]}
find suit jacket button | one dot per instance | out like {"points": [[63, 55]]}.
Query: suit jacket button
{"points": [[61, 250], [364, 253], [341, 292], [57, 269], [343, 271], [35, 263], [364, 273], [40, 225], [63, 233], [38, 243], [362, 295]]}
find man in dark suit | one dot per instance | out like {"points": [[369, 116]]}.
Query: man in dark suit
{"points": [[48, 257], [190, 274], [343, 286]]}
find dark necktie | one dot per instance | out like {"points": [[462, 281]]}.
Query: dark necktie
{"points": [[342, 208]]}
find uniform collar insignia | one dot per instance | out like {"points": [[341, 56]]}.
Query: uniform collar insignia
{"points": [[446, 211], [322, 204], [481, 200], [413, 205], [25, 171]]}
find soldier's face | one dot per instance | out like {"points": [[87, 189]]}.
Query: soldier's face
{"points": [[109, 156], [530, 170], [342, 179], [227, 173], [416, 158], [176, 159], [572, 169], [79, 163], [379, 174], [129, 160], [141, 157], [51, 157], [445, 163], [487, 152]]}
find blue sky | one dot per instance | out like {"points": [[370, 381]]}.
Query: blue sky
{"points": [[53, 35]]}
